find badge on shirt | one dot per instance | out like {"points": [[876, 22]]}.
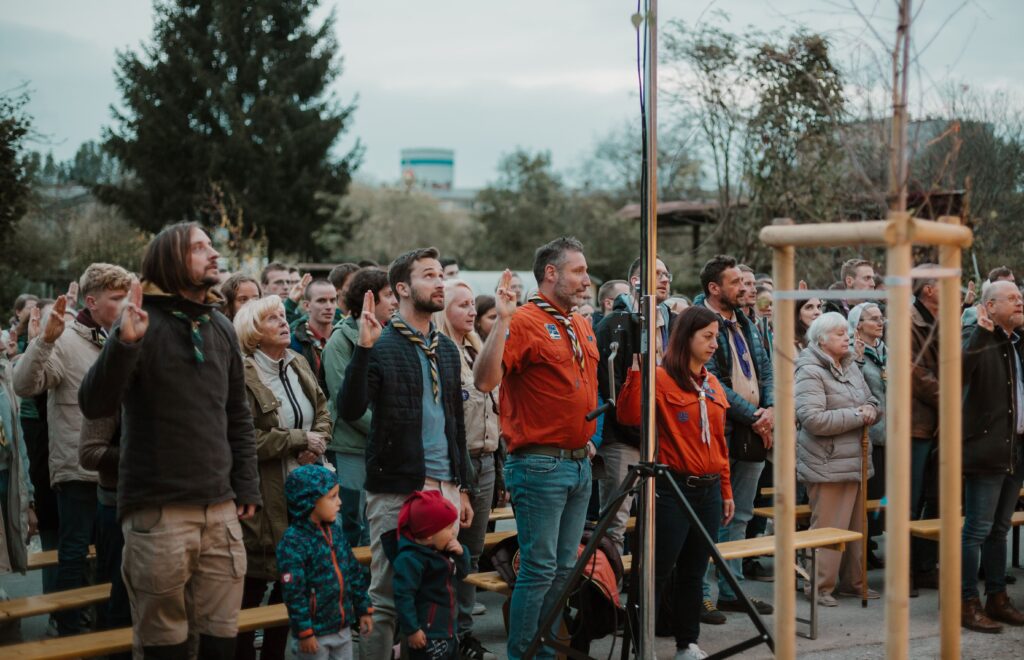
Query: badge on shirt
{"points": [[553, 331], [465, 395], [683, 416]]}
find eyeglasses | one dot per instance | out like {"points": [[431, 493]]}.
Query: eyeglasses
{"points": [[1016, 300], [664, 276]]}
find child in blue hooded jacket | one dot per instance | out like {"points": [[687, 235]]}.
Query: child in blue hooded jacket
{"points": [[321, 581], [429, 560]]}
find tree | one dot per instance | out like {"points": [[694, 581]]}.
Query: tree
{"points": [[14, 180], [233, 93]]}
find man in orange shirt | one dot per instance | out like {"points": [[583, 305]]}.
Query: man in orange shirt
{"points": [[545, 358]]}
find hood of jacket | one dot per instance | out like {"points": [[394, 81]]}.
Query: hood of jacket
{"points": [[304, 486], [814, 356], [214, 300]]}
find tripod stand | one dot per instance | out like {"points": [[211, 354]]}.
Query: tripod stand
{"points": [[643, 472]]}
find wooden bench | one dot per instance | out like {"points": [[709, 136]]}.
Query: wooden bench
{"points": [[120, 639], [20, 608], [806, 542], [804, 510], [931, 529], [48, 558]]}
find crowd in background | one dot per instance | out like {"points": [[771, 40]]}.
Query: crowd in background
{"points": [[164, 417]]}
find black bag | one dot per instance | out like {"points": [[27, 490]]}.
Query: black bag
{"points": [[746, 445]]}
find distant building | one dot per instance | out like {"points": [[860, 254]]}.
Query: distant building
{"points": [[428, 169]]}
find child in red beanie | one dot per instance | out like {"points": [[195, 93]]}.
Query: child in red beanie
{"points": [[429, 559]]}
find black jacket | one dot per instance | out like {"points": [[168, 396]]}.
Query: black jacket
{"points": [[425, 584], [989, 401], [389, 380], [186, 428]]}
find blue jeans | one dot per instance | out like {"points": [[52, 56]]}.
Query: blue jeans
{"points": [[677, 546], [352, 480], [989, 501], [744, 476], [76, 505], [550, 497]]}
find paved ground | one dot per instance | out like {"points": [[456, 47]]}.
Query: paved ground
{"points": [[846, 631]]}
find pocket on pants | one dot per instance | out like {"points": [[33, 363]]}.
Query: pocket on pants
{"points": [[540, 464], [237, 547], [155, 562]]}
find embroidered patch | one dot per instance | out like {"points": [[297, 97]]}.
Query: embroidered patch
{"points": [[553, 331], [286, 577], [465, 395], [683, 416]]}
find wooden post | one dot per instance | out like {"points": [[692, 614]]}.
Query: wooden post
{"points": [[897, 444], [950, 457], [865, 449], [783, 364]]}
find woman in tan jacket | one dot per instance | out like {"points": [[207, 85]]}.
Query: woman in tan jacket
{"points": [[480, 411], [293, 427]]}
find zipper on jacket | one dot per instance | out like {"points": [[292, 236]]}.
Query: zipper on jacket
{"points": [[451, 596], [292, 399], [337, 571], [431, 614]]}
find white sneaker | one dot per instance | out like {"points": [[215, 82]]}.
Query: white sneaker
{"points": [[691, 652], [479, 609]]}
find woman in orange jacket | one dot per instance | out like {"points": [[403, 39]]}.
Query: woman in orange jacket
{"points": [[690, 418]]}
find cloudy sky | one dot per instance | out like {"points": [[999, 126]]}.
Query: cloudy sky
{"points": [[480, 76]]}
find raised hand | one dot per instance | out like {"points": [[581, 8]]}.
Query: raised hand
{"points": [[972, 293], [34, 325], [984, 321], [296, 291], [12, 342], [802, 285], [369, 327], [134, 319], [72, 296], [55, 322], [505, 298]]}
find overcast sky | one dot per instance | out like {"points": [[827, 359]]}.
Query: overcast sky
{"points": [[481, 77]]}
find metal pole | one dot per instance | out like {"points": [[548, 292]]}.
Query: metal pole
{"points": [[645, 641], [950, 458], [783, 361]]}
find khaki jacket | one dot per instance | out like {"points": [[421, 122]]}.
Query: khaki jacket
{"points": [[480, 411], [59, 369], [274, 447]]}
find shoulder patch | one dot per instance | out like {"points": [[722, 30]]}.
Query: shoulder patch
{"points": [[683, 416], [553, 331]]}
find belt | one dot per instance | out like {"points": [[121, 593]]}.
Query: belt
{"points": [[479, 453], [698, 480], [551, 450]]}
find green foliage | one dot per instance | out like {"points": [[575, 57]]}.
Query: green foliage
{"points": [[235, 94], [530, 205], [14, 180]]}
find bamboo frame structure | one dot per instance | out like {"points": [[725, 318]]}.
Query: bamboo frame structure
{"points": [[898, 233]]}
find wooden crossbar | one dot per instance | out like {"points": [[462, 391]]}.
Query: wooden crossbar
{"points": [[804, 510]]}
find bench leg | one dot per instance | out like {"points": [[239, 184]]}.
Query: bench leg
{"points": [[812, 622]]}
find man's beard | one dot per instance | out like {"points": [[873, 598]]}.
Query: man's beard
{"points": [[425, 305]]}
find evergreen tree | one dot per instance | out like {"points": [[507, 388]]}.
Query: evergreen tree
{"points": [[232, 95], [14, 180]]}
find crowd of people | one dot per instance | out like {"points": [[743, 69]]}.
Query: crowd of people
{"points": [[226, 443]]}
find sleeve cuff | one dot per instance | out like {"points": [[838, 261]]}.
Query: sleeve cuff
{"points": [[305, 634]]}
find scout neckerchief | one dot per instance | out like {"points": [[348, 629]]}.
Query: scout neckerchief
{"points": [[705, 425], [577, 350], [429, 347], [194, 325]]}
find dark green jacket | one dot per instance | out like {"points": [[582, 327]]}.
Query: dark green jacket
{"points": [[990, 400], [348, 437], [425, 588]]}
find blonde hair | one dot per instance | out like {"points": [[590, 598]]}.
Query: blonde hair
{"points": [[248, 319], [101, 277], [441, 317]]}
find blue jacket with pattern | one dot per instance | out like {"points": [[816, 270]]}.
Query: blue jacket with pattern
{"points": [[322, 582]]}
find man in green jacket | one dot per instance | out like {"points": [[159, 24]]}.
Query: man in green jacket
{"points": [[348, 443]]}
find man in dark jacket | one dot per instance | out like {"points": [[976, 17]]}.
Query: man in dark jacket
{"points": [[409, 374], [993, 452], [620, 445], [745, 371], [188, 450], [311, 333]]}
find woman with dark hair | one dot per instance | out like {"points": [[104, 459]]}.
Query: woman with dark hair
{"points": [[486, 315], [806, 312], [238, 290], [690, 422]]}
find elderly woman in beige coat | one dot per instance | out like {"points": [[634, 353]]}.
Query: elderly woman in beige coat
{"points": [[293, 426], [833, 405]]}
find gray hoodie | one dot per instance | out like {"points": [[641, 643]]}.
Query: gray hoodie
{"points": [[827, 399]]}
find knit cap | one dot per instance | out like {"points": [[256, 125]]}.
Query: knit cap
{"points": [[425, 513]]}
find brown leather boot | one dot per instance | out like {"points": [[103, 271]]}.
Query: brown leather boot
{"points": [[998, 606], [973, 617]]}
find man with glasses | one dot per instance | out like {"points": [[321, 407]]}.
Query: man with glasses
{"points": [[275, 280], [993, 453], [620, 445]]}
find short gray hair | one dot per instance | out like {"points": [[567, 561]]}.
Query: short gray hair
{"points": [[248, 319], [989, 293], [823, 325]]}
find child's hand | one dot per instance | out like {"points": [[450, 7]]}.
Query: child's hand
{"points": [[418, 640], [309, 645], [365, 625], [454, 547]]}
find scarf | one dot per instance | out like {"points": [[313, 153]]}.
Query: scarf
{"points": [[197, 337], [741, 346], [429, 347], [577, 349], [99, 335], [702, 397]]}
